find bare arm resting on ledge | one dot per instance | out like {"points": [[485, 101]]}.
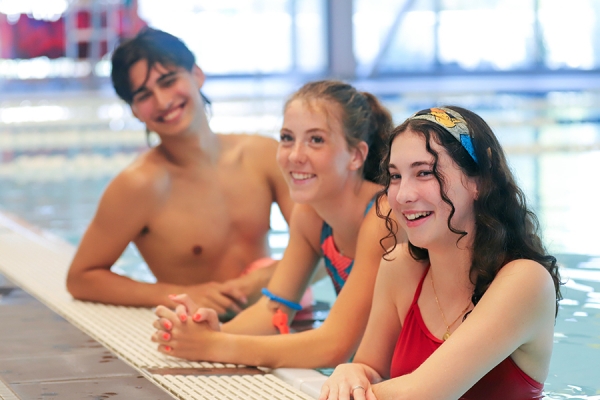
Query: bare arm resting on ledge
{"points": [[466, 308], [331, 172], [197, 206]]}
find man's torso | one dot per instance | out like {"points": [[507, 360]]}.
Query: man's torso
{"points": [[209, 223]]}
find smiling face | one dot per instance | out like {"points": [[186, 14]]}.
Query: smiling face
{"points": [[313, 153], [167, 100], [414, 192]]}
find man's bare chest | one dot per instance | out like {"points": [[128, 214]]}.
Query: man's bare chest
{"points": [[208, 217]]}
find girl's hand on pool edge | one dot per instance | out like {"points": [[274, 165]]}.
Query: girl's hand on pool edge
{"points": [[185, 305], [163, 324], [167, 319], [209, 316], [348, 381], [192, 340]]}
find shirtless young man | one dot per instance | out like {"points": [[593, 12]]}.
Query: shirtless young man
{"points": [[197, 206]]}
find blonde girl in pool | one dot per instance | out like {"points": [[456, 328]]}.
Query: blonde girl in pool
{"points": [[472, 250], [329, 153]]}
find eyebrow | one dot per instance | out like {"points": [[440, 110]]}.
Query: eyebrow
{"points": [[319, 131], [312, 130], [160, 79], [414, 165]]}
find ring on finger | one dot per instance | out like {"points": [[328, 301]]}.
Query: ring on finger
{"points": [[357, 387]]}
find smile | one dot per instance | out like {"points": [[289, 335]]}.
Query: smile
{"points": [[171, 114], [419, 215], [301, 176]]}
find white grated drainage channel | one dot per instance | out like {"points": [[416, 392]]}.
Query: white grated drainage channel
{"points": [[38, 263]]}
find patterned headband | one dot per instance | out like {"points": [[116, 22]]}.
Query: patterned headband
{"points": [[451, 121]]}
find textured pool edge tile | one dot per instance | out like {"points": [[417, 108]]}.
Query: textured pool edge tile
{"points": [[39, 266]]}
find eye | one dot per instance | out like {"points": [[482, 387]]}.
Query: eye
{"points": [[285, 137], [317, 139], [425, 173], [169, 81], [141, 97], [394, 176]]}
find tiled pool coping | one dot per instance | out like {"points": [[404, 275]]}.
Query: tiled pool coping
{"points": [[110, 355]]}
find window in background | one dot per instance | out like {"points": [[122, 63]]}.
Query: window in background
{"points": [[493, 35], [404, 36], [570, 33], [310, 35], [232, 37], [394, 36]]}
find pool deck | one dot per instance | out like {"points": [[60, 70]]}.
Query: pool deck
{"points": [[54, 346]]}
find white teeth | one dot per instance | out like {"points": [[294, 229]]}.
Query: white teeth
{"points": [[171, 115], [412, 217], [301, 176]]}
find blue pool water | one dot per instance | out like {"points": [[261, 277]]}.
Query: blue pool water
{"points": [[58, 154]]}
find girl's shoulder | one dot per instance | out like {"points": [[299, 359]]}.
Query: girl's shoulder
{"points": [[306, 218], [399, 266], [524, 269], [525, 285], [399, 277]]}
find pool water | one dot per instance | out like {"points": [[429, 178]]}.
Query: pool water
{"points": [[58, 155]]}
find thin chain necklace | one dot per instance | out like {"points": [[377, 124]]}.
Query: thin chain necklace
{"points": [[447, 334]]}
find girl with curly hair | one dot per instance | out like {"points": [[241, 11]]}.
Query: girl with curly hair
{"points": [[466, 308]]}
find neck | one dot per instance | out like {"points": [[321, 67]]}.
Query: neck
{"points": [[451, 266], [346, 206], [197, 145]]}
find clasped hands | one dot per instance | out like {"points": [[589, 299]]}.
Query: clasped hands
{"points": [[187, 331], [228, 297]]}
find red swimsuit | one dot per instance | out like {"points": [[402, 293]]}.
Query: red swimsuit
{"points": [[415, 344]]}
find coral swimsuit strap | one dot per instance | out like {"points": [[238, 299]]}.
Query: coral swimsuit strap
{"points": [[338, 265]]}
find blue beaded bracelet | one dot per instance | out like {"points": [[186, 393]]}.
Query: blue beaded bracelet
{"points": [[288, 303]]}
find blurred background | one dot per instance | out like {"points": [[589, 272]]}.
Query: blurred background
{"points": [[531, 68], [72, 39]]}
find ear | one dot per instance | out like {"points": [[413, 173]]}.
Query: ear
{"points": [[359, 156], [134, 111], [475, 188], [198, 75]]}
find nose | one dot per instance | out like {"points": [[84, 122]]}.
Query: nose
{"points": [[406, 192], [163, 99], [298, 153]]}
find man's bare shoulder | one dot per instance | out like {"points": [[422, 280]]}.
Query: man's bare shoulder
{"points": [[248, 139], [146, 175], [252, 146]]}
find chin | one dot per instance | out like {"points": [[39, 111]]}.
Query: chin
{"points": [[419, 242], [300, 198], [304, 196]]}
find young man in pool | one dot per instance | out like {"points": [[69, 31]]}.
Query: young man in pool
{"points": [[197, 205]]}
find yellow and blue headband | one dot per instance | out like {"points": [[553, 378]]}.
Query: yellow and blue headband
{"points": [[452, 122]]}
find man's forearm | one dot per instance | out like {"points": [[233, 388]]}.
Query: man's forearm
{"points": [[104, 286]]}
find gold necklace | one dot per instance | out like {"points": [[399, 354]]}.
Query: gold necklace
{"points": [[447, 334]]}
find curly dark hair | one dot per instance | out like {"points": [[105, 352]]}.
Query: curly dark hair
{"points": [[506, 229]]}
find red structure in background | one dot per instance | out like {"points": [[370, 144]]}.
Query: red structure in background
{"points": [[6, 38], [36, 38], [30, 38]]}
